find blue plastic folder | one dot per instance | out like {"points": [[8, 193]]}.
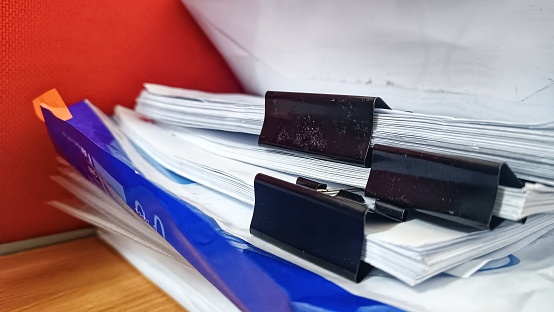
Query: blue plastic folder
{"points": [[250, 277]]}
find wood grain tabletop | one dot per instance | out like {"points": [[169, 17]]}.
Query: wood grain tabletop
{"points": [[81, 275]]}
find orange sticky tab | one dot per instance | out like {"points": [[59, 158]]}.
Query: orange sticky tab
{"points": [[53, 102]]}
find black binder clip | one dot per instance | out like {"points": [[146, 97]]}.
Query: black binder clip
{"points": [[305, 220], [336, 127], [458, 189]]}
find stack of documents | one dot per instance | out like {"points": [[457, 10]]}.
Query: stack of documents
{"points": [[229, 112], [138, 243], [412, 251], [417, 250], [525, 147], [121, 173], [228, 162]]}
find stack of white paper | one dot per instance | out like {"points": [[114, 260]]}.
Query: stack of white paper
{"points": [[204, 155], [142, 246], [526, 148], [233, 178], [417, 250], [230, 112], [515, 204], [244, 148], [394, 248], [412, 251]]}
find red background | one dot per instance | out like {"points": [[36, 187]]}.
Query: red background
{"points": [[100, 50]]}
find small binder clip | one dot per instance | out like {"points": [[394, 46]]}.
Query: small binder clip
{"points": [[325, 227], [336, 127], [459, 189]]}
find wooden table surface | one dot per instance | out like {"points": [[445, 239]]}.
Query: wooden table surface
{"points": [[81, 275]]}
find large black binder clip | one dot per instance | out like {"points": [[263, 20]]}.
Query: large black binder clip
{"points": [[336, 127], [458, 189], [325, 230], [325, 227]]}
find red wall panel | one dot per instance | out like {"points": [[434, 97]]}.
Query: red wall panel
{"points": [[100, 50]]}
